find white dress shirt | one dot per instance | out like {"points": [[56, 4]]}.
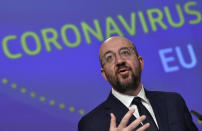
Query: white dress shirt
{"points": [[127, 101]]}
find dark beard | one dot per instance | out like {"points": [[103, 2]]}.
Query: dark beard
{"points": [[125, 87]]}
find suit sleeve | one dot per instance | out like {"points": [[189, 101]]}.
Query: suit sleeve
{"points": [[187, 116]]}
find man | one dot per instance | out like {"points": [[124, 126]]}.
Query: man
{"points": [[128, 100]]}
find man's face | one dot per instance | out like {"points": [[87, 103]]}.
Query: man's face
{"points": [[124, 70]]}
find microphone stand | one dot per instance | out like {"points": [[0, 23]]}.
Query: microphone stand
{"points": [[199, 116]]}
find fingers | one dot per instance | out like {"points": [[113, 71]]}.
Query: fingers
{"points": [[113, 121], [125, 119], [124, 122], [144, 127], [135, 123]]}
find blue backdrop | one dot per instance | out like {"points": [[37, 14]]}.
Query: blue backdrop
{"points": [[50, 72]]}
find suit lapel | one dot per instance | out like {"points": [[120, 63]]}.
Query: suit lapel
{"points": [[158, 105], [113, 105]]}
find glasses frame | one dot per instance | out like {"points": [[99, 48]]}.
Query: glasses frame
{"points": [[103, 58]]}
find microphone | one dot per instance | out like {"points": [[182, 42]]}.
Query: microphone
{"points": [[199, 116]]}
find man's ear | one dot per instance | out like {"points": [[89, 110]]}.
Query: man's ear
{"points": [[141, 60], [104, 74]]}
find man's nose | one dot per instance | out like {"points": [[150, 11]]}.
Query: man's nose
{"points": [[119, 60]]}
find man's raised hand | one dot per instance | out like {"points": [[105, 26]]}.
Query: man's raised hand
{"points": [[123, 124]]}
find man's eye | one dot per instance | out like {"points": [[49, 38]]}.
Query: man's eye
{"points": [[109, 58], [125, 52]]}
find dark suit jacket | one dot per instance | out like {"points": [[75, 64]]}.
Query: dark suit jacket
{"points": [[170, 111]]}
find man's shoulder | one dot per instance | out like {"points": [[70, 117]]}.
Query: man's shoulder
{"points": [[169, 98], [97, 111], [164, 94]]}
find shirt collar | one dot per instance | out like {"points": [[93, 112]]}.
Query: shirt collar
{"points": [[127, 99]]}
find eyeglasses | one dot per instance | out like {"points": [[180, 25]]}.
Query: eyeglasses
{"points": [[109, 57]]}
